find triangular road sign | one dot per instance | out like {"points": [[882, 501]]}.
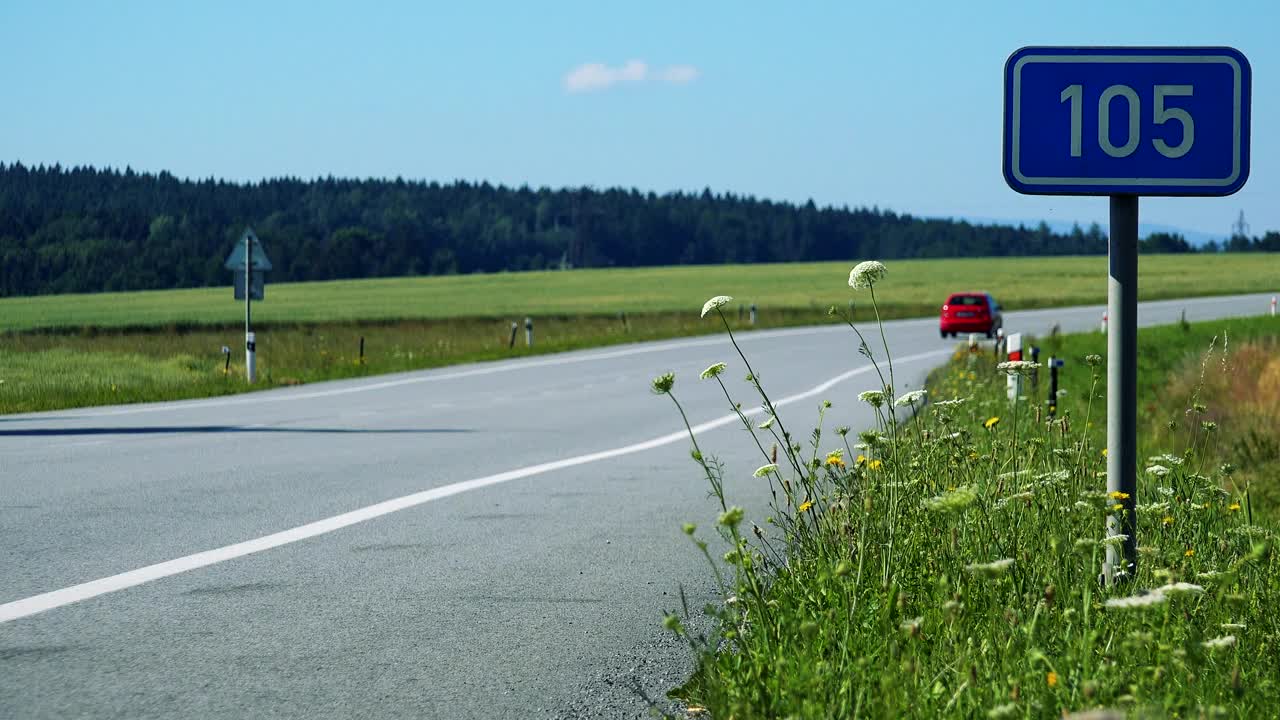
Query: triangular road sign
{"points": [[235, 261]]}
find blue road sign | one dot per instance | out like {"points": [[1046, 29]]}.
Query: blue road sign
{"points": [[1126, 121]]}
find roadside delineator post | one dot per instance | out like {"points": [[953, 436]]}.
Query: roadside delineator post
{"points": [[226, 367], [1054, 364], [753, 313], [1273, 306], [515, 328], [528, 332], [1013, 381]]}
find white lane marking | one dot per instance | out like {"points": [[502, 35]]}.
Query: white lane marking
{"points": [[57, 598]]}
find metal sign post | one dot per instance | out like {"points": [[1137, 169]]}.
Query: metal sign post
{"points": [[252, 259], [1125, 122]]}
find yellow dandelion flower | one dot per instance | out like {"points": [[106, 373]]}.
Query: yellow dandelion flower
{"points": [[1208, 505], [804, 506], [1168, 520], [835, 461], [1104, 450], [1117, 506], [1189, 553], [973, 376], [991, 422], [862, 459], [875, 464], [1117, 495], [1051, 679], [1233, 506]]}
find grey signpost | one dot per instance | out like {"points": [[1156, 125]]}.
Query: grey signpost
{"points": [[1076, 122], [249, 261]]}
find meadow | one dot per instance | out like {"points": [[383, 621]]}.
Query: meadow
{"points": [[67, 351], [1024, 282], [946, 562]]}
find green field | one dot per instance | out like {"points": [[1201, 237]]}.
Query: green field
{"points": [[77, 350], [917, 287]]}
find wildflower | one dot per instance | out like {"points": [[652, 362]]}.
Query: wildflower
{"points": [[767, 423], [1190, 552], [1115, 540], [1000, 712], [1233, 507], [875, 464], [912, 626], [1167, 520], [1218, 643], [731, 517], [1025, 496], [1181, 588], [835, 459], [662, 384], [1167, 459], [874, 398], [954, 402], [715, 303], [991, 422], [1051, 679], [690, 529], [1117, 507], [1137, 601], [861, 459], [1165, 491], [764, 470], [804, 506], [1017, 367], [1158, 470], [910, 398], [842, 430], [865, 274], [1085, 544], [1117, 495], [1104, 452], [1233, 626], [713, 371], [952, 501], [991, 569], [1093, 360]]}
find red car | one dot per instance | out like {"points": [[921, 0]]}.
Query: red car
{"points": [[970, 312]]}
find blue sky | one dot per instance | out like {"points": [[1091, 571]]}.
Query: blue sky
{"points": [[896, 105]]}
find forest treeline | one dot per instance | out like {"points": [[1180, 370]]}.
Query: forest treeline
{"points": [[88, 230]]}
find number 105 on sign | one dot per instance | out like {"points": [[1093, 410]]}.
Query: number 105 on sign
{"points": [[1142, 121]]}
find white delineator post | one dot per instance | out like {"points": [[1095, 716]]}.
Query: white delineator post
{"points": [[1103, 329], [1273, 306], [1013, 381]]}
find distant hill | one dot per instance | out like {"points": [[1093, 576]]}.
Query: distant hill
{"points": [[88, 230], [1195, 238]]}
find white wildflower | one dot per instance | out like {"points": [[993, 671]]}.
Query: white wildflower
{"points": [[1005, 501], [1137, 601], [1234, 627], [1165, 491], [1209, 575], [1017, 367], [910, 398], [1158, 470], [874, 398], [954, 402], [1181, 588], [1166, 459], [952, 501], [1114, 540], [715, 303], [713, 371], [1219, 643], [912, 625], [865, 274], [991, 569], [767, 423], [766, 469], [1000, 712]]}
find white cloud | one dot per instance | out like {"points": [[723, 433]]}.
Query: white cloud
{"points": [[590, 77]]}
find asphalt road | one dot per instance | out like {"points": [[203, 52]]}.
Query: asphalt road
{"points": [[488, 541]]}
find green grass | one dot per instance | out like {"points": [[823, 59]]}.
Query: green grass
{"points": [[947, 566], [311, 331], [918, 287]]}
